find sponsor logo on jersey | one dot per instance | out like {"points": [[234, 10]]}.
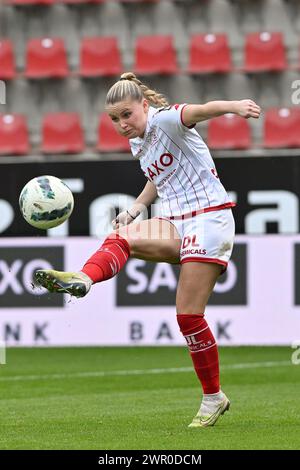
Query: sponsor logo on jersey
{"points": [[158, 166], [152, 137], [192, 241], [193, 252]]}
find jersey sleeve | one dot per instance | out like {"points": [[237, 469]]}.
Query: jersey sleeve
{"points": [[170, 119]]}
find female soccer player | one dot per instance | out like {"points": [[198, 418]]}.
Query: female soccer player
{"points": [[196, 227]]}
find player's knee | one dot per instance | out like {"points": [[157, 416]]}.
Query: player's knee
{"points": [[123, 232], [190, 305]]}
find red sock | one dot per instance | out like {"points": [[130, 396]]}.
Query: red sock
{"points": [[108, 260], [203, 350]]}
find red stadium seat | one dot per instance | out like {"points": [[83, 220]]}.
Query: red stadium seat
{"points": [[209, 53], [62, 133], [7, 60], [228, 132], [155, 55], [265, 52], [46, 58], [108, 139], [13, 135], [281, 128], [100, 57]]}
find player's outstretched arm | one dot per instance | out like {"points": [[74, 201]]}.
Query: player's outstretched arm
{"points": [[147, 196], [193, 113]]}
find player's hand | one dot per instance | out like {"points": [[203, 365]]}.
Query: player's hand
{"points": [[124, 218], [248, 109]]}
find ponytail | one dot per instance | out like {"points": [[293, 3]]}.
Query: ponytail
{"points": [[129, 86]]}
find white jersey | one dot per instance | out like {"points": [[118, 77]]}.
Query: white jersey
{"points": [[177, 161]]}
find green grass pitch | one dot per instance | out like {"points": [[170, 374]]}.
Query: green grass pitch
{"points": [[144, 398]]}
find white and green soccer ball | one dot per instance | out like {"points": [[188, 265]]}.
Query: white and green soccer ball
{"points": [[46, 202]]}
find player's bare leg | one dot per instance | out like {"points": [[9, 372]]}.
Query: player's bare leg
{"points": [[151, 240], [195, 285]]}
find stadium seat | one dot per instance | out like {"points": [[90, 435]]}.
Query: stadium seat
{"points": [[155, 55], [281, 128], [13, 135], [100, 57], [62, 133], [209, 53], [46, 58], [108, 139], [228, 132], [265, 52], [7, 60]]}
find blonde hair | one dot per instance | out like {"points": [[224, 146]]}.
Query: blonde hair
{"points": [[129, 86]]}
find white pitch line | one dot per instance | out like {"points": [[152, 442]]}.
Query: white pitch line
{"points": [[116, 373]]}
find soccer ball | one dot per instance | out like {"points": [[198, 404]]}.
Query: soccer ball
{"points": [[46, 202]]}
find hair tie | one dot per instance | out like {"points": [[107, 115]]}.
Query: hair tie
{"points": [[133, 217]]}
